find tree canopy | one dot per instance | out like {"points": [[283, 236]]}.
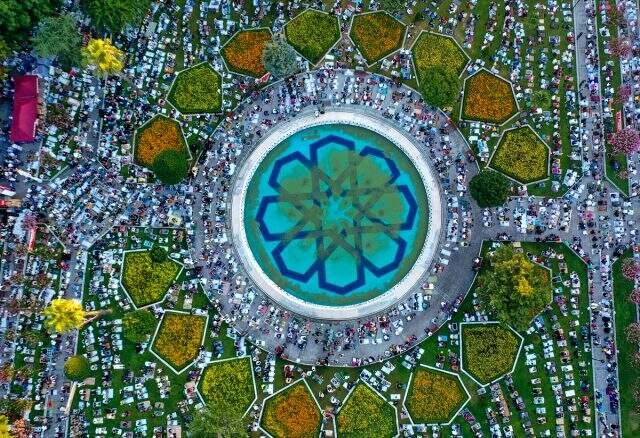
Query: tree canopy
{"points": [[513, 288], [158, 254], [58, 37], [63, 315], [440, 87], [138, 325], [489, 188], [279, 58], [114, 15], [77, 368], [18, 17], [106, 57], [171, 166]]}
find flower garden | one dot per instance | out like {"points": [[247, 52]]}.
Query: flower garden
{"points": [[522, 155], [434, 50], [243, 52], [158, 135], [292, 413], [488, 351], [229, 384], [376, 35], [179, 338], [312, 34], [145, 280], [366, 414], [488, 98], [197, 90], [434, 396]]}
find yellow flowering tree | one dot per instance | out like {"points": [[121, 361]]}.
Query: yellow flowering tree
{"points": [[106, 57], [64, 315]]}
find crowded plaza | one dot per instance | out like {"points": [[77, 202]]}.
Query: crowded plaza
{"points": [[370, 218]]}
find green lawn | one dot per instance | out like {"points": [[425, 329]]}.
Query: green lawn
{"points": [[625, 314]]}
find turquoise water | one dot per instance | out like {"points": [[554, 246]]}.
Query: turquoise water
{"points": [[336, 214]]}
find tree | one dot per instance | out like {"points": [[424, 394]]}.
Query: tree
{"points": [[440, 87], [623, 94], [58, 37], [541, 99], [77, 368], [106, 57], [209, 424], [18, 17], [171, 166], [632, 331], [158, 254], [620, 48], [63, 315], [630, 269], [626, 141], [489, 188], [114, 15], [279, 58], [634, 296], [5, 51], [513, 288], [138, 325]]}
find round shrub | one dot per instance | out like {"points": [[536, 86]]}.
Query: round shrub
{"points": [[440, 87], [138, 325], [489, 188], [77, 368], [158, 254], [171, 166]]}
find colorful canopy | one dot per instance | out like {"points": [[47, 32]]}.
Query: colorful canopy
{"points": [[25, 109]]}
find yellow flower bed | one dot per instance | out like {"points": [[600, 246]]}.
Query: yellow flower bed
{"points": [[489, 351], [488, 98], [522, 156], [365, 414], [179, 338], [292, 414], [243, 53], [434, 397], [432, 50], [228, 385]]}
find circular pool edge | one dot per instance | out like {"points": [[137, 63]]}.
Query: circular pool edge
{"points": [[386, 299]]}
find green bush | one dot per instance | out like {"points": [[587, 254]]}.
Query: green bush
{"points": [[171, 166], [158, 254], [489, 188], [440, 87], [77, 368], [138, 325], [312, 34]]}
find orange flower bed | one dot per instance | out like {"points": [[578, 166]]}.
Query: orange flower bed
{"points": [[292, 413], [159, 135], [376, 35], [243, 53], [488, 98]]}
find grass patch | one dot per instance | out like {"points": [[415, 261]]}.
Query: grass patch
{"points": [[197, 90], [522, 156], [366, 414], [488, 351], [434, 397], [229, 384]]}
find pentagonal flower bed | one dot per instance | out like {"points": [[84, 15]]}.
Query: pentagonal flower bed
{"points": [[488, 351], [145, 280], [179, 338], [488, 98], [376, 35], [243, 52], [366, 414], [434, 50], [313, 33], [197, 90], [292, 413], [228, 384], [522, 155], [434, 396], [156, 136]]}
